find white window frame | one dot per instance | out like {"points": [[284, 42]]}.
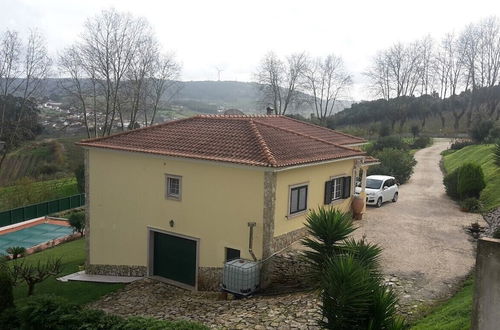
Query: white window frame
{"points": [[300, 185], [168, 194], [338, 184]]}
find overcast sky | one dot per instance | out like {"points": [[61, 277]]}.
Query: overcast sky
{"points": [[235, 34]]}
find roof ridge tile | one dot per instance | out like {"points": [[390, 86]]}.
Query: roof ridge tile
{"points": [[308, 136], [263, 145]]}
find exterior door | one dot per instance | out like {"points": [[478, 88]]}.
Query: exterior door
{"points": [[174, 258]]}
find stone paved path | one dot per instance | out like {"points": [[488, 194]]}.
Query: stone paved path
{"points": [[156, 299]]}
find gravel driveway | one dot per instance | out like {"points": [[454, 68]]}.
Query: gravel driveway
{"points": [[426, 250]]}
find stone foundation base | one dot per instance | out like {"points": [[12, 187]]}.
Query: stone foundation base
{"points": [[282, 241], [210, 278], [116, 270]]}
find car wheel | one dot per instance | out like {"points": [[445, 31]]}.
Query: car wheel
{"points": [[379, 202], [395, 198]]}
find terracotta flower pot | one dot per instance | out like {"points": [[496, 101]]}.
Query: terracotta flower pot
{"points": [[357, 207]]}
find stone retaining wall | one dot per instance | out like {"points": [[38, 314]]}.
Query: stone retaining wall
{"points": [[282, 241]]}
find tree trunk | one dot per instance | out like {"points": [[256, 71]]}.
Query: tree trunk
{"points": [[31, 288]]}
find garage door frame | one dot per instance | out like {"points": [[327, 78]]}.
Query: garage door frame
{"points": [[150, 271]]}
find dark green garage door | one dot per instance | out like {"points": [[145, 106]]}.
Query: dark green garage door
{"points": [[174, 258]]}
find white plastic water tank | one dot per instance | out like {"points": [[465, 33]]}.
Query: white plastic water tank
{"points": [[241, 276]]}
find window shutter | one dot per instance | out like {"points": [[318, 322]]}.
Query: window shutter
{"points": [[328, 192], [346, 188]]}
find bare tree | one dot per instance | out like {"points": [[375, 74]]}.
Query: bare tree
{"points": [[118, 58], [326, 79], [10, 68], [34, 64], [280, 80]]}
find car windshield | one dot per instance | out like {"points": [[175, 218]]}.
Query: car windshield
{"points": [[373, 183]]}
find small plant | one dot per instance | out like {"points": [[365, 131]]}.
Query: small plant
{"points": [[6, 295], [471, 204], [16, 251], [77, 221], [496, 233], [33, 274]]}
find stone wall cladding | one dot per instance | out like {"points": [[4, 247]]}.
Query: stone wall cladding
{"points": [[210, 278], [289, 268], [285, 240], [116, 270]]}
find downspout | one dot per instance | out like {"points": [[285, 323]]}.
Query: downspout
{"points": [[250, 240]]}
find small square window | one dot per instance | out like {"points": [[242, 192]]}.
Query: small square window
{"points": [[173, 187], [232, 254]]}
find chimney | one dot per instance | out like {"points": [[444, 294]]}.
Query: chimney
{"points": [[270, 111]]}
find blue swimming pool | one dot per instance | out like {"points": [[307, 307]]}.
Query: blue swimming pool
{"points": [[29, 237]]}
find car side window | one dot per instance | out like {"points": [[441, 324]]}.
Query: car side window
{"points": [[386, 184], [390, 183]]}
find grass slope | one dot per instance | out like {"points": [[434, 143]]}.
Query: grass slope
{"points": [[483, 156], [27, 192], [73, 255], [454, 314]]}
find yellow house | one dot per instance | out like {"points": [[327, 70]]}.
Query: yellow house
{"points": [[178, 199]]}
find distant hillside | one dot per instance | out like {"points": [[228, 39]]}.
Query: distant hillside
{"points": [[208, 96]]}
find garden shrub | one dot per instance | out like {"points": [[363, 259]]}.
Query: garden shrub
{"points": [[496, 233], [494, 135], [470, 181], [421, 142], [16, 251], [396, 163], [471, 204], [450, 182], [459, 144], [481, 130], [393, 142], [6, 295], [47, 312], [77, 221]]}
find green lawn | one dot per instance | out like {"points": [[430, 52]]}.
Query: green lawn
{"points": [[73, 255], [483, 156], [454, 314]]}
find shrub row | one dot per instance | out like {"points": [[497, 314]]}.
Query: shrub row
{"points": [[459, 144], [46, 312]]}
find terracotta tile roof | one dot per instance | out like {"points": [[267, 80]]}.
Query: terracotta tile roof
{"points": [[370, 160], [274, 141]]}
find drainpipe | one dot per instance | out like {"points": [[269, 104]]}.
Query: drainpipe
{"points": [[250, 241]]}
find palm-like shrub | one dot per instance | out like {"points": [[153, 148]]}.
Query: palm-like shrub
{"points": [[16, 251], [347, 274], [327, 227], [6, 295]]}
